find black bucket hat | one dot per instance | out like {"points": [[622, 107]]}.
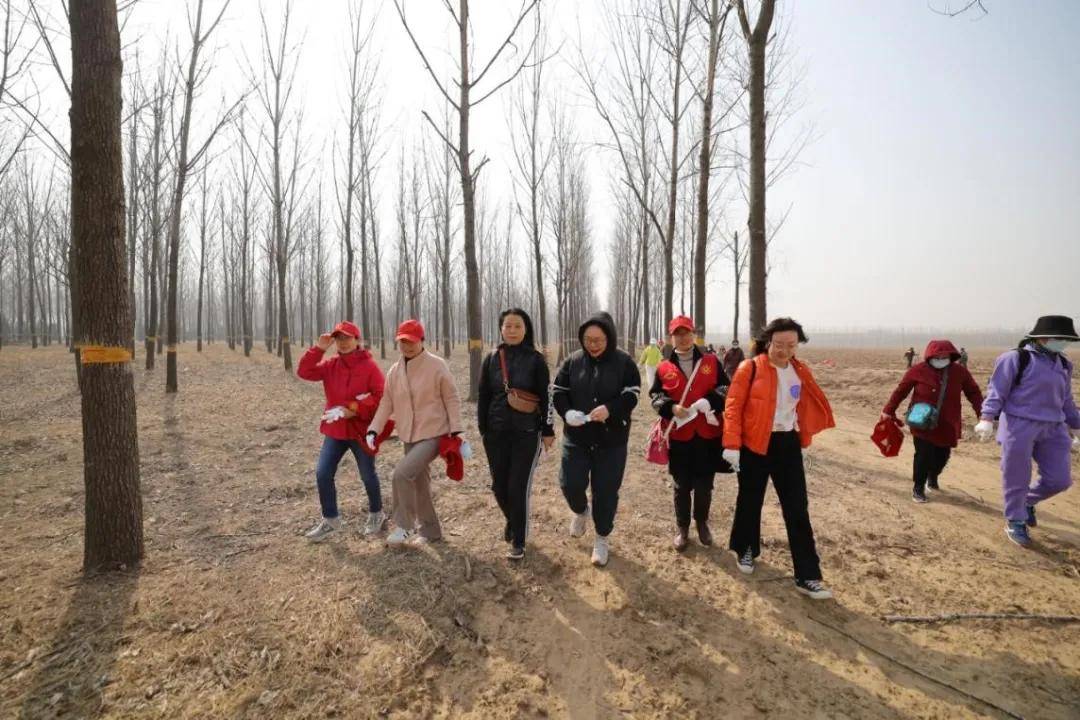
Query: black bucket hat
{"points": [[1054, 326]]}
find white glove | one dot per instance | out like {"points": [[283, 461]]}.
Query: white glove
{"points": [[984, 430], [363, 396], [576, 418], [702, 405], [369, 440], [466, 450], [732, 457], [334, 414]]}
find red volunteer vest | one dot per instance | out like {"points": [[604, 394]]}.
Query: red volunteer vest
{"points": [[674, 384]]}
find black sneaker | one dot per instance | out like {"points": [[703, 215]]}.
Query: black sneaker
{"points": [[1031, 521], [932, 483], [746, 562], [813, 588], [516, 552], [918, 496]]}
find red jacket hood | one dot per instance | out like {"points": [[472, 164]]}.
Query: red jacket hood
{"points": [[940, 347]]}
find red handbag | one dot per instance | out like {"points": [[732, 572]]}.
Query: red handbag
{"points": [[888, 437], [657, 451]]}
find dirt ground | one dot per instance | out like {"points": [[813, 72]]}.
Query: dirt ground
{"points": [[234, 614]]}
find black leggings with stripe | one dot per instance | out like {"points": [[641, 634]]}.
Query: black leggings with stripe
{"points": [[512, 458]]}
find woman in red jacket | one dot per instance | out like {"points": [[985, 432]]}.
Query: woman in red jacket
{"points": [[923, 381], [353, 384], [694, 442]]}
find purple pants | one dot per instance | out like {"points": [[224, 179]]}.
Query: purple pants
{"points": [[1023, 440]]}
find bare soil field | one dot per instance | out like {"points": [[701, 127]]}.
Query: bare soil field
{"points": [[235, 615]]}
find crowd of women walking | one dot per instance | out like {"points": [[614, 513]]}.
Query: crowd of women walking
{"points": [[749, 416]]}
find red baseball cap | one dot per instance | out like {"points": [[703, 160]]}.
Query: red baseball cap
{"points": [[410, 330], [346, 328], [680, 321]]}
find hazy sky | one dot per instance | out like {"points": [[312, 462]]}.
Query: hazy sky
{"points": [[942, 189]]}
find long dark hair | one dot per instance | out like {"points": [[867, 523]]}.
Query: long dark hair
{"points": [[529, 340]]}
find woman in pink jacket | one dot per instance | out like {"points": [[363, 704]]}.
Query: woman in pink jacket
{"points": [[423, 401], [353, 384]]}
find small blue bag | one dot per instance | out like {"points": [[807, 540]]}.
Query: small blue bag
{"points": [[924, 416]]}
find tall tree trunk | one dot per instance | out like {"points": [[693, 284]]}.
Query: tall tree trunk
{"points": [[474, 319], [705, 170], [756, 40], [113, 533]]}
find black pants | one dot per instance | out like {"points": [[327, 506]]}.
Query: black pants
{"points": [[930, 460], [784, 464], [600, 467], [692, 491], [512, 458]]}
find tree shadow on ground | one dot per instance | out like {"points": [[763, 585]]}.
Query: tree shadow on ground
{"points": [[69, 677]]}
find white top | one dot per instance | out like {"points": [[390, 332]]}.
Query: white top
{"points": [[788, 392]]}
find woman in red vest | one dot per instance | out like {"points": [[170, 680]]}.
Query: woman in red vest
{"points": [[689, 391]]}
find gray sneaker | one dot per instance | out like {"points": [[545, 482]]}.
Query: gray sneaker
{"points": [[578, 523], [375, 523], [324, 529]]}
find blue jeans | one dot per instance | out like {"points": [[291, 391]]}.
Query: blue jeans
{"points": [[332, 452]]}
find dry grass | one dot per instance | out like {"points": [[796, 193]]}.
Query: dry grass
{"points": [[233, 614]]}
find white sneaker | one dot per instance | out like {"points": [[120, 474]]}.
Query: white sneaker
{"points": [[600, 552], [399, 537], [375, 522], [323, 529], [578, 523]]}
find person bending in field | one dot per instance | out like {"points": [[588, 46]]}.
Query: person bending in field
{"points": [[935, 434], [1031, 395], [774, 408], [353, 385]]}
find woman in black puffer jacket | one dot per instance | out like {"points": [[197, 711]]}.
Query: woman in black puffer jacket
{"points": [[513, 438]]}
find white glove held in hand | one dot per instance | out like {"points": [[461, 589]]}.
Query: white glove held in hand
{"points": [[369, 439], [732, 457], [466, 450], [576, 418], [702, 405], [334, 414], [363, 396], [984, 430]]}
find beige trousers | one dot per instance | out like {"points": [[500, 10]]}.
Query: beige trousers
{"points": [[413, 509]]}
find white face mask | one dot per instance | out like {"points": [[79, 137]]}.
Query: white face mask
{"points": [[940, 363], [1057, 345]]}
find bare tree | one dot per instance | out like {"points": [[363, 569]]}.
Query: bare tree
{"points": [[757, 40], [203, 225], [531, 158], [113, 534], [196, 74], [716, 18], [464, 103]]}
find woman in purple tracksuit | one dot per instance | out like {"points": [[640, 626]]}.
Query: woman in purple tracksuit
{"points": [[1031, 394]]}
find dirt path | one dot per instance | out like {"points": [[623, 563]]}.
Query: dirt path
{"points": [[234, 615]]}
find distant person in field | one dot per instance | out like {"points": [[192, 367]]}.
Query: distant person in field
{"points": [[649, 358], [733, 358], [963, 357], [515, 421], [353, 385], [688, 392], [910, 356], [934, 440], [1030, 394], [423, 401], [595, 392], [774, 408]]}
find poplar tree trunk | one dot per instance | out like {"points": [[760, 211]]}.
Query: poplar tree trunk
{"points": [[113, 533]]}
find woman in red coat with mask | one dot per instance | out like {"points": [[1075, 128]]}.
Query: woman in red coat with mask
{"points": [[923, 381], [353, 384]]}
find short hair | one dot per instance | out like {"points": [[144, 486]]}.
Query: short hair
{"points": [[781, 324]]}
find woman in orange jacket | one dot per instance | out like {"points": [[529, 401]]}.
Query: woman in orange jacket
{"points": [[774, 408]]}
